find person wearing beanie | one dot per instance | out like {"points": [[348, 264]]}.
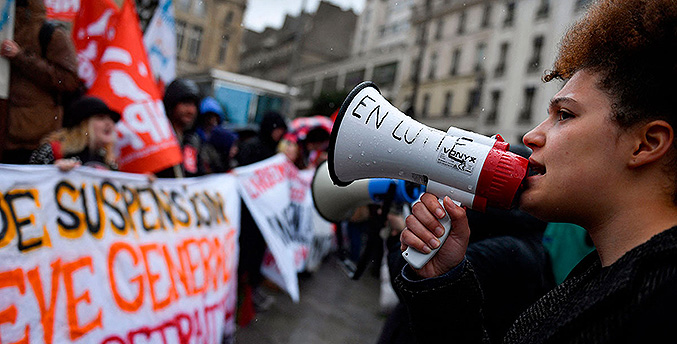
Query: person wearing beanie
{"points": [[257, 148], [181, 101], [87, 138]]}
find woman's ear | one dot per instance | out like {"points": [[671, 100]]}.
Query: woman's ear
{"points": [[653, 141]]}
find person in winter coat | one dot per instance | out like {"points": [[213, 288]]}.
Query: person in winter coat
{"points": [[181, 101], [40, 72], [219, 151], [264, 145], [253, 246], [87, 138], [604, 159]]}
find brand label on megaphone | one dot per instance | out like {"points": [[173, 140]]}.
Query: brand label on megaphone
{"points": [[456, 157]]}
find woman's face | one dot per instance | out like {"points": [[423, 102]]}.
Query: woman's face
{"points": [[101, 130], [577, 154]]}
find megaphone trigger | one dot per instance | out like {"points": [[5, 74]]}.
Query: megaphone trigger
{"points": [[418, 259]]}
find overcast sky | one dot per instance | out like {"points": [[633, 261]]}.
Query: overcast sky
{"points": [[270, 13]]}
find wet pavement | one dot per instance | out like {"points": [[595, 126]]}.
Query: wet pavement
{"points": [[333, 309]]}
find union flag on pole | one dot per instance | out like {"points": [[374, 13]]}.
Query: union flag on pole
{"points": [[114, 65]]}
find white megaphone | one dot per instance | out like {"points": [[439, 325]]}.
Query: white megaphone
{"points": [[373, 139], [335, 203]]}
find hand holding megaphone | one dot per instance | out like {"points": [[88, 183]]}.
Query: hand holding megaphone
{"points": [[373, 139]]}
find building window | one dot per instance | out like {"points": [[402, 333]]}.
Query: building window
{"points": [[493, 113], [535, 60], [200, 8], [486, 16], [525, 114], [543, 9], [502, 59], [180, 34], [223, 48], [426, 105], [432, 67], [440, 29], [455, 61], [461, 24], [480, 57], [194, 43], [448, 98], [509, 14], [474, 96], [384, 75], [329, 84], [353, 78]]}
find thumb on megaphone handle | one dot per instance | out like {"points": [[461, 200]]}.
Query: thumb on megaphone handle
{"points": [[418, 259]]}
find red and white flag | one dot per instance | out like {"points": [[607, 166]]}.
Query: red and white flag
{"points": [[115, 67], [65, 10]]}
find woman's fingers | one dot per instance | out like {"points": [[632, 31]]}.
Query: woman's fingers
{"points": [[423, 227]]}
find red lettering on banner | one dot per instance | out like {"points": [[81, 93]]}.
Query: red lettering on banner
{"points": [[186, 326], [128, 306], [46, 311], [13, 278], [153, 278], [266, 178], [75, 329]]}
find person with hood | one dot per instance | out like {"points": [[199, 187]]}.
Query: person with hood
{"points": [[181, 101], [43, 66], [253, 246], [87, 138], [211, 116]]}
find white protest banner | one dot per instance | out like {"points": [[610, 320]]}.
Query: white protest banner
{"points": [[6, 32], [160, 42], [278, 197], [93, 256]]}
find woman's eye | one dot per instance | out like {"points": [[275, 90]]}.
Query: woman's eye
{"points": [[564, 115]]}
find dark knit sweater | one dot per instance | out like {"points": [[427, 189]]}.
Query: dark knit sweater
{"points": [[633, 300]]}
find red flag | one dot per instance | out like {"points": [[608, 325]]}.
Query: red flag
{"points": [[117, 71]]}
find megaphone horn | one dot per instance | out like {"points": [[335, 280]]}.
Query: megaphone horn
{"points": [[373, 139]]}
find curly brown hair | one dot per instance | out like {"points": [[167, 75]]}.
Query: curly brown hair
{"points": [[632, 46]]}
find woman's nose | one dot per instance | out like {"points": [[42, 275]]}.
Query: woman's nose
{"points": [[535, 138]]}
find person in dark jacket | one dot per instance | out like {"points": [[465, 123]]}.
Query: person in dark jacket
{"points": [[87, 138], [603, 159], [181, 101], [252, 244], [40, 72], [264, 145]]}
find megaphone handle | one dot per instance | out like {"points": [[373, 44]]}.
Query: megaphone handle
{"points": [[418, 259]]}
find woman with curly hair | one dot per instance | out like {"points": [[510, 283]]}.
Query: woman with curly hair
{"points": [[605, 159], [87, 138]]}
